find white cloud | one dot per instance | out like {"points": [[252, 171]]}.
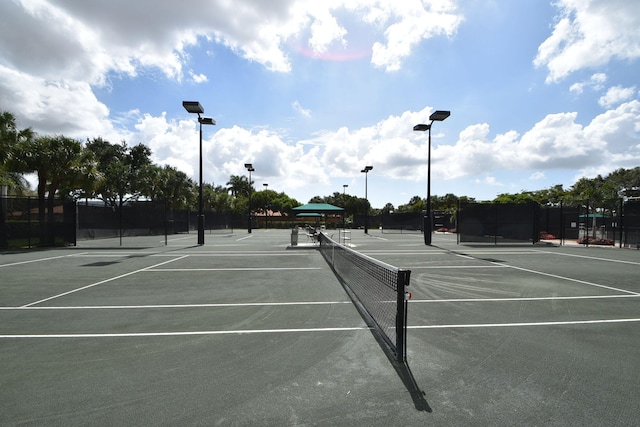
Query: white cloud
{"points": [[300, 110], [49, 105], [538, 175], [73, 47], [615, 95], [612, 140], [325, 30], [198, 78], [489, 180], [595, 82], [590, 33], [412, 23]]}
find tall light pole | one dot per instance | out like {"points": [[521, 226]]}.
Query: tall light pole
{"points": [[438, 116], [366, 198], [344, 188], [266, 208], [194, 107], [250, 168]]}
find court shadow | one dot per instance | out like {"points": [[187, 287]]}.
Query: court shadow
{"points": [[403, 371], [402, 368]]}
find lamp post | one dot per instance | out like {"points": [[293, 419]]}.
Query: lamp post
{"points": [[366, 198], [438, 116], [266, 207], [344, 188], [194, 107], [250, 168]]}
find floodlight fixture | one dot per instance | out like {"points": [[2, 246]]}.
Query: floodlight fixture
{"points": [[439, 115], [421, 127], [193, 107], [206, 121]]}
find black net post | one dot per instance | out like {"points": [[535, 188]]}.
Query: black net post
{"points": [[401, 316]]}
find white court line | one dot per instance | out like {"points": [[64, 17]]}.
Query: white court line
{"points": [[241, 254], [379, 238], [193, 254], [102, 281], [310, 330], [457, 267], [188, 333], [502, 325], [210, 305], [243, 238], [301, 303], [522, 299], [41, 259], [572, 280], [155, 270], [175, 239], [592, 257]]}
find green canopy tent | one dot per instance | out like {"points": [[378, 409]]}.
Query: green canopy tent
{"points": [[318, 210]]}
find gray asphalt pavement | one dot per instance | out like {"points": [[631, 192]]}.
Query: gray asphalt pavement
{"points": [[246, 331]]}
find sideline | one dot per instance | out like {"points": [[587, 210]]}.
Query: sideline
{"points": [[189, 333], [102, 281], [502, 325], [555, 276], [42, 259], [592, 257], [155, 306]]}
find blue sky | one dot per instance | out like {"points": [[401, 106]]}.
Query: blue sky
{"points": [[540, 93]]}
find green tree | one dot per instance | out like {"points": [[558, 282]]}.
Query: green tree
{"points": [[447, 203], [626, 181], [589, 192], [519, 198], [217, 199], [416, 204], [58, 162], [239, 186], [123, 169], [169, 184], [10, 136], [388, 208]]}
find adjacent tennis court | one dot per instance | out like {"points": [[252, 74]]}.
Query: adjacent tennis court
{"points": [[244, 331]]}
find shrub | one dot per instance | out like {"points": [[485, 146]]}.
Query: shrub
{"points": [[595, 241], [547, 236]]}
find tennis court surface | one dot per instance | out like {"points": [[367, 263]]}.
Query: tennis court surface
{"points": [[244, 331]]}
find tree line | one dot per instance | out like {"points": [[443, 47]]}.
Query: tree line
{"points": [[117, 173]]}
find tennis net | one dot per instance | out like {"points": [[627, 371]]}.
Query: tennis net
{"points": [[378, 290]]}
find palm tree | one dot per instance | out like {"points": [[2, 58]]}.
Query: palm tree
{"points": [[239, 185], [10, 136], [59, 162]]}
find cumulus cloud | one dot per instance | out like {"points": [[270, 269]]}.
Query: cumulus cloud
{"points": [[615, 95], [590, 33], [558, 141], [411, 23], [74, 47]]}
